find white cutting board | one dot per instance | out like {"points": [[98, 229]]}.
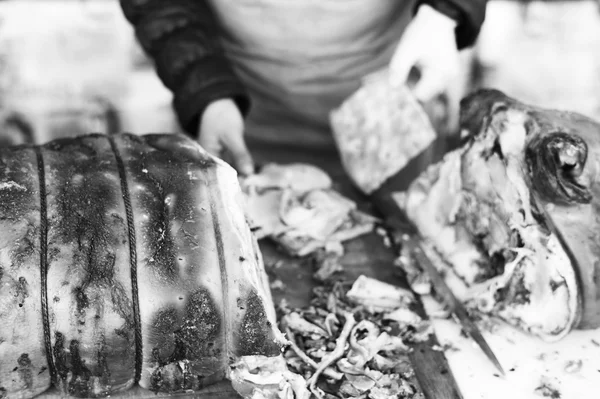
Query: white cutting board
{"points": [[533, 361]]}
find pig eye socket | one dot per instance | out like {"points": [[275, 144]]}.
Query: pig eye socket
{"points": [[556, 163]]}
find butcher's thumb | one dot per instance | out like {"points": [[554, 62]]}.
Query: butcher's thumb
{"points": [[242, 160]]}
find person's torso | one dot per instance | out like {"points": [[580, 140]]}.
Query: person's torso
{"points": [[301, 58]]}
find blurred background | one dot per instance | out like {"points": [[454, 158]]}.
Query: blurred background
{"points": [[71, 67]]}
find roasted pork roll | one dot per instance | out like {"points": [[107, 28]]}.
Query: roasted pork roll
{"points": [[476, 209], [126, 260]]}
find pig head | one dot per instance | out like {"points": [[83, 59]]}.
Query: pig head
{"points": [[476, 208], [562, 164]]}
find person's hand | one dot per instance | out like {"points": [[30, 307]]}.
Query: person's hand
{"points": [[429, 44], [221, 133]]}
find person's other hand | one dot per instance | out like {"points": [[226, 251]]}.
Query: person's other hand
{"points": [[429, 44], [221, 133]]}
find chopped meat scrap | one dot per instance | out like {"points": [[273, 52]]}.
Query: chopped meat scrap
{"points": [[348, 350], [295, 206], [547, 390]]}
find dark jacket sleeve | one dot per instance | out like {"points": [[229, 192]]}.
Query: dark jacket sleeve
{"points": [[469, 14], [182, 37]]}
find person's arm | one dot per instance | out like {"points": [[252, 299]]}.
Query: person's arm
{"points": [[181, 36], [469, 15]]}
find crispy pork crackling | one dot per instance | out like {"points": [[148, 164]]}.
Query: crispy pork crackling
{"points": [[128, 260]]}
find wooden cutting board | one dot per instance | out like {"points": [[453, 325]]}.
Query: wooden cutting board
{"points": [[366, 255]]}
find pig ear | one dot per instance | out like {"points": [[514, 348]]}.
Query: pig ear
{"points": [[479, 107], [556, 162]]}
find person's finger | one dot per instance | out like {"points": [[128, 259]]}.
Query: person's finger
{"points": [[432, 83], [402, 62], [242, 160]]}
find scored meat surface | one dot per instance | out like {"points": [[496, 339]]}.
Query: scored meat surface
{"points": [[475, 207], [126, 260]]}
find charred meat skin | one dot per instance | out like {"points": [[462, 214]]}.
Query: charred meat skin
{"points": [[23, 357], [89, 269], [149, 269]]}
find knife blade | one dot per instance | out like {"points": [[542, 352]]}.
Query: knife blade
{"points": [[409, 235], [431, 367], [456, 307], [399, 174]]}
